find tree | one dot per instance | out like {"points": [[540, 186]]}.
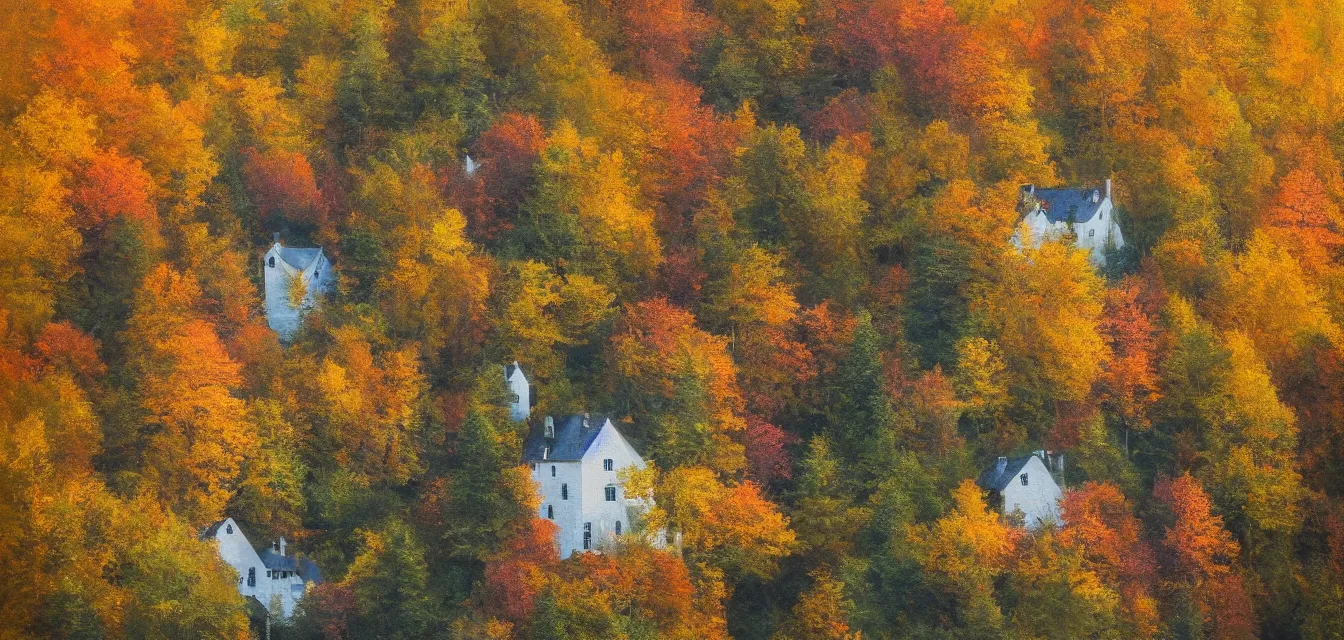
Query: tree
{"points": [[681, 382], [1203, 556], [193, 434], [821, 611]]}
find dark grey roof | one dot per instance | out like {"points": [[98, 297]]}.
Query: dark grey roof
{"points": [[509, 369], [211, 530], [571, 440], [1069, 205], [995, 479], [299, 258], [309, 571], [274, 560]]}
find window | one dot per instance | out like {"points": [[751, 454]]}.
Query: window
{"points": [[587, 535], [1023, 477], [228, 528], [534, 466], [251, 576], [608, 465], [618, 527], [1091, 232], [550, 512], [552, 471], [611, 493], [564, 491], [271, 263]]}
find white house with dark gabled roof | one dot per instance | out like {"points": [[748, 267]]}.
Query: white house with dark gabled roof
{"points": [[1026, 484], [296, 279], [273, 578], [576, 461], [1086, 213]]}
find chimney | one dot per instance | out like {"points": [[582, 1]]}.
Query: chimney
{"points": [[1001, 465], [550, 427], [1028, 191], [1107, 193], [276, 237], [282, 545], [1096, 196], [585, 420]]}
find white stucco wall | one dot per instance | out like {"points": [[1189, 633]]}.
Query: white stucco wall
{"points": [[280, 595], [1093, 236], [281, 316], [587, 480], [518, 384], [1038, 500]]}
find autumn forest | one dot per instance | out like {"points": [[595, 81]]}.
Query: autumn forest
{"points": [[775, 240]]}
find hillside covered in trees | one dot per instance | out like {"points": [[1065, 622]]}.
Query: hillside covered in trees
{"points": [[771, 237]]}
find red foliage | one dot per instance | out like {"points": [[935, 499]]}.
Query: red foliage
{"points": [[846, 114], [767, 458], [62, 346], [112, 186], [332, 605], [514, 576], [1098, 519], [507, 152], [660, 33], [282, 183], [1196, 540], [681, 274], [691, 148]]}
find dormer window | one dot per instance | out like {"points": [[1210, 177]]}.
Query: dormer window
{"points": [[1023, 478], [608, 465]]}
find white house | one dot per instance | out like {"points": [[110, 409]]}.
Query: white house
{"points": [[521, 404], [295, 281], [1087, 214], [576, 462], [1025, 484], [273, 578]]}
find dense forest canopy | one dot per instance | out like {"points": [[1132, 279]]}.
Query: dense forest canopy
{"points": [[770, 237]]}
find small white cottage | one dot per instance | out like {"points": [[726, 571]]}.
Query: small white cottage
{"points": [[272, 578], [1087, 214], [1026, 485], [295, 280], [576, 462]]}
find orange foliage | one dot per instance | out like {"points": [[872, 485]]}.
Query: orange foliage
{"points": [[1098, 520], [113, 186], [282, 183], [1130, 377]]}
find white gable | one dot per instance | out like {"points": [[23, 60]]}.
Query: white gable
{"points": [[1035, 493], [280, 267]]}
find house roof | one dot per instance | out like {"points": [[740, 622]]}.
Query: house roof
{"points": [[274, 560], [1069, 205], [510, 368], [299, 258], [571, 439], [995, 479], [212, 530], [309, 571]]}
